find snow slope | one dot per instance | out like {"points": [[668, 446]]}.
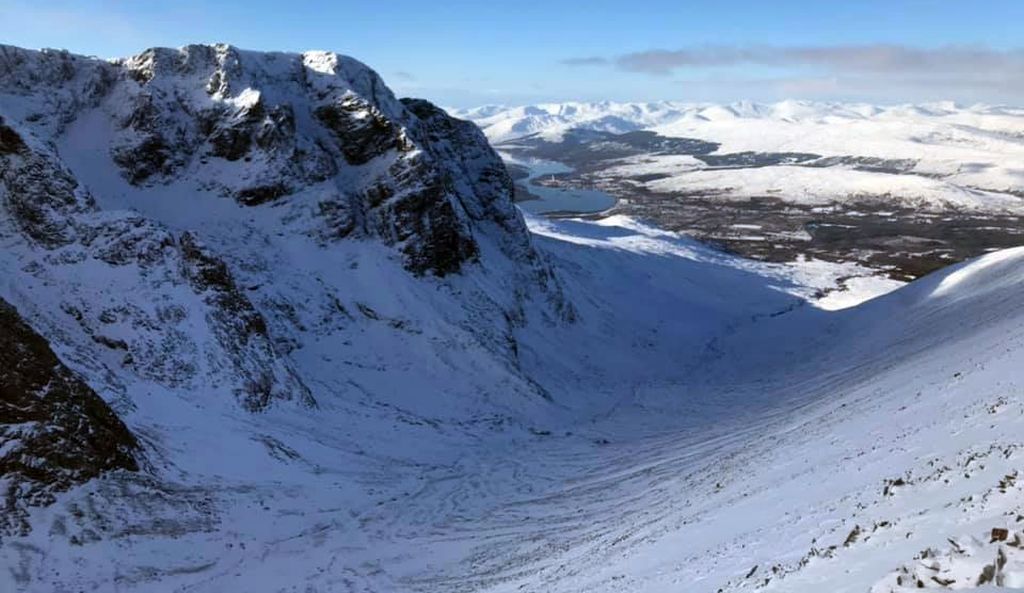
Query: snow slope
{"points": [[587, 406], [898, 421], [693, 434]]}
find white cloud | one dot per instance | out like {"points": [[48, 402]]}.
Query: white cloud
{"points": [[874, 71]]}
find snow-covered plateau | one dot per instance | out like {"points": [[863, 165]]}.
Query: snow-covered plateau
{"points": [[265, 327]]}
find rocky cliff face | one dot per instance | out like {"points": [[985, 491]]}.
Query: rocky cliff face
{"points": [[261, 127], [212, 229], [69, 244], [55, 431]]}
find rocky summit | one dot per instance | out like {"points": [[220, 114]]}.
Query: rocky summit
{"points": [[103, 163], [259, 128]]}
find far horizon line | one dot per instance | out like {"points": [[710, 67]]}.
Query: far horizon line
{"points": [[395, 81], [952, 103]]}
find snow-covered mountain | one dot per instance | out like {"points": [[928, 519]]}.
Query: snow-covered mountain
{"points": [[266, 327], [193, 224], [903, 190], [964, 156], [502, 123]]}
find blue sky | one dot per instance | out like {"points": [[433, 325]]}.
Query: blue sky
{"points": [[463, 53]]}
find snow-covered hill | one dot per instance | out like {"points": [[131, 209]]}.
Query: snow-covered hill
{"points": [[332, 356], [960, 156], [502, 123]]}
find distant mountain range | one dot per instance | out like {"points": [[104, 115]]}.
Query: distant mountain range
{"points": [[973, 148], [503, 123], [907, 188]]}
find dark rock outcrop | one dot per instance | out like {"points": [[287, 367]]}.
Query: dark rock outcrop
{"points": [[472, 170], [242, 331], [55, 432], [362, 131], [10, 141], [41, 195]]}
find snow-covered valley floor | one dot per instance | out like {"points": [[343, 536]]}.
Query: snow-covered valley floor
{"points": [[707, 429], [808, 451]]}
